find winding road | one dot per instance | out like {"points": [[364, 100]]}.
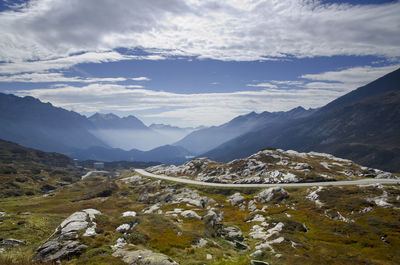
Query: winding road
{"points": [[326, 183]]}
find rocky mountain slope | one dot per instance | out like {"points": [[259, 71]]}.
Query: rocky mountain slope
{"points": [[362, 125], [272, 166], [208, 138], [132, 219]]}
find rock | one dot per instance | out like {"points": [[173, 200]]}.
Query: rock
{"points": [[302, 166], [55, 250], [252, 206], [256, 254], [258, 262], [208, 256], [235, 199], [232, 233], [152, 209], [92, 213], [123, 228], [240, 245], [386, 175], [257, 218], [3, 214], [147, 257], [129, 213], [121, 242], [65, 242], [268, 195], [189, 214], [11, 242], [2, 250], [91, 231], [202, 242]]}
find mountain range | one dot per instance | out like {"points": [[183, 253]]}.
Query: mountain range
{"points": [[363, 125]]}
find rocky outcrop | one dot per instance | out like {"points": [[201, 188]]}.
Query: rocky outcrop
{"points": [[235, 199], [270, 194], [65, 241], [232, 233], [145, 257]]}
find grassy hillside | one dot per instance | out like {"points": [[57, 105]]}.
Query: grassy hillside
{"points": [[349, 226], [25, 171]]}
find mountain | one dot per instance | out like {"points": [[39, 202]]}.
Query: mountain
{"points": [[171, 132], [26, 171], [131, 133], [165, 154], [363, 125], [206, 139], [112, 121], [32, 123]]}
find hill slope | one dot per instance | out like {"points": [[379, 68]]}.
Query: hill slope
{"points": [[25, 171]]}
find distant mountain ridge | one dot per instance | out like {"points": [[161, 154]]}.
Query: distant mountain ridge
{"points": [[112, 121], [34, 124], [362, 125], [206, 139]]}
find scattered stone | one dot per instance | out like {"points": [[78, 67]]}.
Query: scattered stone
{"points": [[2, 250], [208, 256], [152, 209], [11, 242], [202, 242], [123, 228], [134, 257], [268, 195], [258, 262], [3, 214], [313, 196], [232, 233], [121, 242], [256, 254], [235, 199], [129, 213], [189, 214], [252, 205], [240, 245]]}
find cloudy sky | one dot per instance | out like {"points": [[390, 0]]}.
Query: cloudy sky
{"points": [[194, 62]]}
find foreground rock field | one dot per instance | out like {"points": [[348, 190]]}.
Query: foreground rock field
{"points": [[134, 219]]}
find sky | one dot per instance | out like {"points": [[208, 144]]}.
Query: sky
{"points": [[194, 62]]}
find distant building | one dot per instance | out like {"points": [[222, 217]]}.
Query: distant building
{"points": [[98, 165]]}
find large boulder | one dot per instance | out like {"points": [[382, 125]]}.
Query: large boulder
{"points": [[276, 193], [65, 242], [235, 199], [144, 257]]}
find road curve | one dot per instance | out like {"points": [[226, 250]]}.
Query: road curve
{"points": [[326, 183]]}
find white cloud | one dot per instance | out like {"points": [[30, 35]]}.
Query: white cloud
{"points": [[223, 30], [43, 77], [141, 78], [347, 79], [269, 85], [191, 109]]}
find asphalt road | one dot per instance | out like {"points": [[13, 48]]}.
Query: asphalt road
{"points": [[326, 183]]}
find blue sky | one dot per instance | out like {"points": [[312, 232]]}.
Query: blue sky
{"points": [[192, 62]]}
